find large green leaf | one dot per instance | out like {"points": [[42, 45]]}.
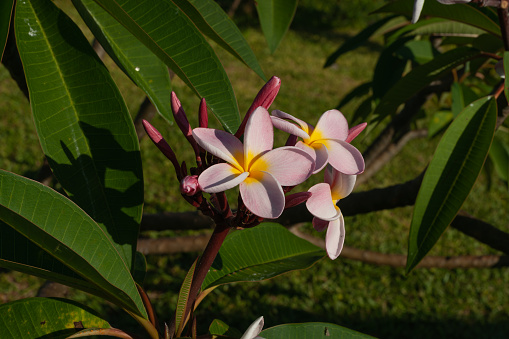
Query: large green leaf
{"points": [[436, 26], [421, 76], [6, 7], [459, 12], [499, 155], [450, 176], [275, 19], [134, 58], [212, 21], [260, 253], [311, 331], [83, 124], [20, 254], [60, 228], [171, 35], [46, 318]]}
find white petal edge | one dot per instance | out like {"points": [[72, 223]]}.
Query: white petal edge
{"points": [[344, 157], [258, 135], [304, 125]]}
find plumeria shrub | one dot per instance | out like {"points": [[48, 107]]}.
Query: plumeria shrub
{"points": [[85, 234]]}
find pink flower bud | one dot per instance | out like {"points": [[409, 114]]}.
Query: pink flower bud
{"points": [[163, 146], [203, 116], [182, 122], [264, 98], [189, 185], [296, 199], [355, 131]]}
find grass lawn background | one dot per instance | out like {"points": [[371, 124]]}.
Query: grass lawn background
{"points": [[381, 301]]}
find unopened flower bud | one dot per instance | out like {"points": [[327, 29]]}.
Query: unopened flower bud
{"points": [[163, 146], [203, 116], [189, 185], [182, 122], [264, 98], [355, 131], [296, 199]]}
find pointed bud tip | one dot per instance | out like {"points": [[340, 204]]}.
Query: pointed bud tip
{"points": [[152, 132]]}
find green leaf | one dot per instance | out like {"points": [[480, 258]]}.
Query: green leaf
{"points": [[461, 96], [459, 12], [182, 299], [140, 268], [419, 51], [219, 327], [439, 122], [212, 21], [275, 19], [20, 254], [45, 318], [421, 76], [311, 331], [6, 7], [260, 253], [499, 155], [172, 36], [141, 65], [450, 176], [363, 36], [60, 228], [436, 27], [83, 124], [356, 94]]}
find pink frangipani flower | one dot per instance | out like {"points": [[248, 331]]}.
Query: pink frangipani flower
{"points": [[322, 205], [328, 142], [255, 166]]}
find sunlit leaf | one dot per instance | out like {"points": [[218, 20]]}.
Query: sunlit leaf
{"points": [[82, 122], [275, 19], [172, 36], [61, 229], [46, 318], [450, 176], [134, 58], [311, 331], [182, 299], [260, 253], [212, 21]]}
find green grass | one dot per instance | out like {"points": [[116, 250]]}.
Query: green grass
{"points": [[381, 301]]}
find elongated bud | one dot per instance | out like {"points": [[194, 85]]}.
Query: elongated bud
{"points": [[296, 199], [182, 122], [264, 98], [189, 185], [203, 115], [163, 146], [355, 131]]}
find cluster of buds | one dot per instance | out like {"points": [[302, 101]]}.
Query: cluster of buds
{"points": [[263, 174]]}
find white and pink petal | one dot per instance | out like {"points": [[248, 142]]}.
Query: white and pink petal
{"points": [[331, 125], [289, 165], [262, 194], [221, 144], [320, 203], [303, 125], [344, 157], [289, 127], [258, 135], [341, 184], [335, 237], [220, 177]]}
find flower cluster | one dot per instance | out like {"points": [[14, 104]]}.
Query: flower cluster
{"points": [[264, 173]]}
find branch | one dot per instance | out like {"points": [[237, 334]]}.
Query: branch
{"points": [[198, 243], [398, 260]]}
